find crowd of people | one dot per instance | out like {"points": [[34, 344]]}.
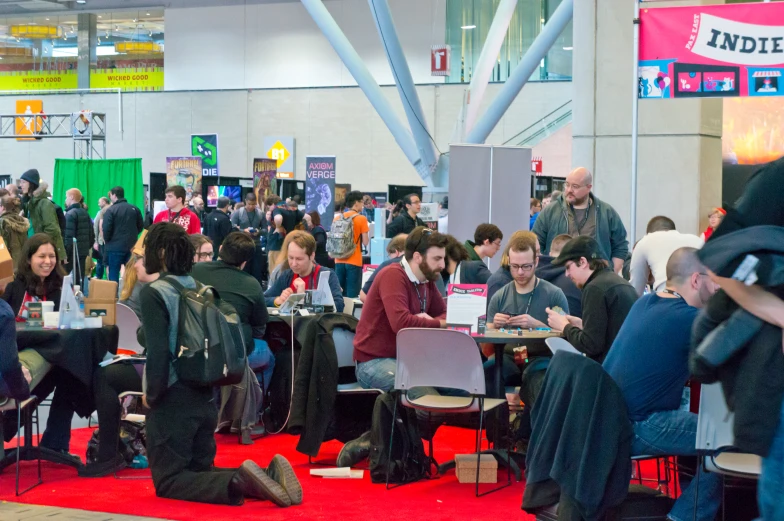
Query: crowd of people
{"points": [[563, 270]]}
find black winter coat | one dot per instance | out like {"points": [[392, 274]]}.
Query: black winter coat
{"points": [[122, 224], [581, 441], [316, 382], [79, 226]]}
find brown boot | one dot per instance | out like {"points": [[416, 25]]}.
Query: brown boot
{"points": [[251, 481]]}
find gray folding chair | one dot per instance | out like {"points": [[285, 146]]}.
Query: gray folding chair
{"points": [[30, 409], [344, 349], [446, 359], [715, 436], [127, 324], [559, 344]]}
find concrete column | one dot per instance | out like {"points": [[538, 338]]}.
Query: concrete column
{"points": [[87, 40], [679, 161]]}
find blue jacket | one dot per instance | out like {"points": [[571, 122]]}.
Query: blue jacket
{"points": [[284, 281], [610, 232], [12, 381]]}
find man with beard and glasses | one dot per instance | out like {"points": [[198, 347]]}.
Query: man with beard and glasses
{"points": [[403, 295], [607, 299]]}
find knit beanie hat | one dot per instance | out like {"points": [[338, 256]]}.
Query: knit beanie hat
{"points": [[32, 176]]}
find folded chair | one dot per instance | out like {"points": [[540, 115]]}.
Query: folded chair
{"points": [[446, 359]]}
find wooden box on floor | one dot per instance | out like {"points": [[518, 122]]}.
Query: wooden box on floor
{"points": [[102, 301], [465, 468]]}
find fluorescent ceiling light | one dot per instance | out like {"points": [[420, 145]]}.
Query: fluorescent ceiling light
{"points": [[568, 48], [465, 27], [81, 1]]}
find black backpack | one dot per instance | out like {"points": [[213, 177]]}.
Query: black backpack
{"points": [[60, 218], [210, 345], [408, 461]]}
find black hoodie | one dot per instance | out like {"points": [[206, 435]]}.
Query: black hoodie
{"points": [[556, 275]]}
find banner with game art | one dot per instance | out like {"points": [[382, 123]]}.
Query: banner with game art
{"points": [[712, 51], [320, 187], [186, 172], [265, 182]]}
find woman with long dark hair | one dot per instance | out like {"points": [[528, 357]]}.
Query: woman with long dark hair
{"points": [[39, 276], [182, 419]]}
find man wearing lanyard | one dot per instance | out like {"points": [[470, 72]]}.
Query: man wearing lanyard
{"points": [[177, 213], [523, 303], [303, 273]]}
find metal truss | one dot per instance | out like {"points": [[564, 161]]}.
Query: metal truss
{"points": [[87, 130]]}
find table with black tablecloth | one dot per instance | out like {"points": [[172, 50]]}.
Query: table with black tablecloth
{"points": [[76, 352]]}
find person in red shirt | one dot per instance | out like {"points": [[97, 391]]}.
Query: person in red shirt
{"points": [[177, 212], [403, 295]]}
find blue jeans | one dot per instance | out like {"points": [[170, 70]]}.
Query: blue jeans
{"points": [[100, 263], [114, 261], [350, 278], [674, 433], [379, 373], [770, 488], [262, 358]]}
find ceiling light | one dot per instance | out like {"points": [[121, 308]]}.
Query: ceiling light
{"points": [[568, 48], [81, 1], [148, 14], [466, 27], [134, 20], [99, 16], [47, 19]]}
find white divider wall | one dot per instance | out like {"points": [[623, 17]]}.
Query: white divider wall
{"points": [[489, 184]]}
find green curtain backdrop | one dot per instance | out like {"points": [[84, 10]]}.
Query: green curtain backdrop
{"points": [[95, 177]]}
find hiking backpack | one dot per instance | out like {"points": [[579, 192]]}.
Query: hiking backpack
{"points": [[408, 461], [210, 346], [340, 238]]}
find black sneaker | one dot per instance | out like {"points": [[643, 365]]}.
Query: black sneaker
{"points": [[354, 451], [100, 469], [281, 471]]}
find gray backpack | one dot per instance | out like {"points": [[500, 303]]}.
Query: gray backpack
{"points": [[340, 238]]}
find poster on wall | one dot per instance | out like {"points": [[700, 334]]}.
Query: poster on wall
{"points": [[186, 172], [264, 180], [33, 124], [205, 146], [712, 51], [320, 187], [752, 135], [429, 214]]}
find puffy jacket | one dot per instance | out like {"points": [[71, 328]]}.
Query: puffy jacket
{"points": [[79, 226], [610, 232], [122, 224], [14, 231], [43, 217]]}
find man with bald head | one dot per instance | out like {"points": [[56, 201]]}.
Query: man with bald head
{"points": [[649, 360], [579, 212]]}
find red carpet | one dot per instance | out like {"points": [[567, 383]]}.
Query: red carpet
{"points": [[346, 500]]}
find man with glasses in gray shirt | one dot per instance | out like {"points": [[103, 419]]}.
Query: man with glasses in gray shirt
{"points": [[523, 303]]}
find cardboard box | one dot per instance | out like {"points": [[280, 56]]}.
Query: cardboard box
{"points": [[6, 265], [102, 301], [465, 468]]}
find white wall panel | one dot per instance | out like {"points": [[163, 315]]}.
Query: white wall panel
{"points": [[280, 46], [335, 121]]}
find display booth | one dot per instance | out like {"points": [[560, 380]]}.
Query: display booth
{"points": [[95, 177]]}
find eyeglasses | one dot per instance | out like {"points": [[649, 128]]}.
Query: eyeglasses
{"points": [[204, 254], [521, 267]]}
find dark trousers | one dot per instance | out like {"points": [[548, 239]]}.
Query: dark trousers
{"points": [[100, 263], [350, 278], [181, 448], [108, 383], [114, 260]]}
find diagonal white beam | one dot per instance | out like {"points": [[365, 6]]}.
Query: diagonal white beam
{"points": [[382, 15], [365, 80], [487, 60], [519, 77]]}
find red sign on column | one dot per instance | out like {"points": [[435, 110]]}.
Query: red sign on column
{"points": [[536, 165], [439, 60]]}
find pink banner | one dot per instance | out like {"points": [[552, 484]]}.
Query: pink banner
{"points": [[712, 51]]}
